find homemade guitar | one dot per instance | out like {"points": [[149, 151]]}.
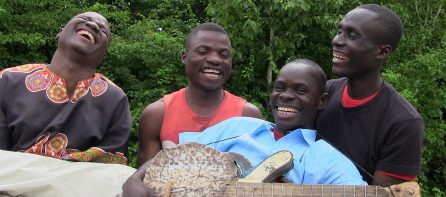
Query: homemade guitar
{"points": [[198, 170]]}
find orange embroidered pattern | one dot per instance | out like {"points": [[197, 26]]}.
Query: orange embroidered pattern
{"points": [[95, 154], [98, 86], [38, 81], [57, 92], [56, 147], [41, 78]]}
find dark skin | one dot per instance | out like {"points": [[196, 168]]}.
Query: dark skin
{"points": [[297, 86], [359, 56], [79, 54], [204, 93], [296, 97]]}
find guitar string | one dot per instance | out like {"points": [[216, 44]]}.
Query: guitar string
{"points": [[302, 190], [232, 190]]}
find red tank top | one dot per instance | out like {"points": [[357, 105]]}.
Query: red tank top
{"points": [[179, 117]]}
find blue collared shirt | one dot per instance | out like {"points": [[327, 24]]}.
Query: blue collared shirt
{"points": [[315, 162]]}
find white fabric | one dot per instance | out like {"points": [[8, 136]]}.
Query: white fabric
{"points": [[39, 176]]}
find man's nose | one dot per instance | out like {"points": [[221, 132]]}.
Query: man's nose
{"points": [[338, 40], [284, 96], [214, 58], [93, 25]]}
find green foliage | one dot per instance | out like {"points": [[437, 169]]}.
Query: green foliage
{"points": [[148, 38]]}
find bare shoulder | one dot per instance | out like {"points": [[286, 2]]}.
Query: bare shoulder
{"points": [[153, 115], [154, 108], [250, 110]]}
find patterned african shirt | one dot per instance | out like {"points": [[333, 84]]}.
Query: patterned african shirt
{"points": [[37, 116]]}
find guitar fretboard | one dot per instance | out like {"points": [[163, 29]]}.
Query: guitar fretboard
{"points": [[239, 189]]}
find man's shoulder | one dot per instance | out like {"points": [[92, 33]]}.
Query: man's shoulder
{"points": [[234, 97], [323, 147], [243, 120], [155, 107], [337, 81], [21, 70], [398, 105], [242, 125], [111, 85], [334, 84]]}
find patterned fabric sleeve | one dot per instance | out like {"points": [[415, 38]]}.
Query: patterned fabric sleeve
{"points": [[4, 133]]}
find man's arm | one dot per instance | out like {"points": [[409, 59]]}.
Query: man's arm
{"points": [[250, 110], [150, 124], [4, 132], [400, 155], [385, 180]]}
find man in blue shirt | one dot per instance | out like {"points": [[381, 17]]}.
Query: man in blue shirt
{"points": [[298, 94]]}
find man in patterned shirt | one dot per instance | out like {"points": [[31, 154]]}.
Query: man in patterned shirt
{"points": [[64, 110]]}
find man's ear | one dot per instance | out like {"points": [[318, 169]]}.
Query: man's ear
{"points": [[57, 35], [183, 57], [384, 52], [323, 101]]}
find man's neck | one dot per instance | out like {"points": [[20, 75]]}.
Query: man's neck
{"points": [[72, 72], [203, 102], [359, 88]]}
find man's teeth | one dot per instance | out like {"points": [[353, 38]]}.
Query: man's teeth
{"points": [[287, 110], [211, 71], [338, 56], [87, 35]]}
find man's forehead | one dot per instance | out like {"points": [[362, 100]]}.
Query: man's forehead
{"points": [[92, 15], [360, 15], [206, 34]]}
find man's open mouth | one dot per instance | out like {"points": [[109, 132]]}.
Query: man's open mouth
{"points": [[86, 34]]}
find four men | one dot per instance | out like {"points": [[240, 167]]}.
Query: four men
{"points": [[68, 111]]}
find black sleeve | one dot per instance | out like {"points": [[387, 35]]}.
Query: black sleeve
{"points": [[401, 150], [118, 132], [5, 135]]}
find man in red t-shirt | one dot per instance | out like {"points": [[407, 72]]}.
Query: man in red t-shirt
{"points": [[203, 103]]}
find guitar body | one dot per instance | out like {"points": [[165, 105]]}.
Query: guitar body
{"points": [[198, 170]]}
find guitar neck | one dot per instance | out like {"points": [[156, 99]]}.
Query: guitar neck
{"points": [[290, 190]]}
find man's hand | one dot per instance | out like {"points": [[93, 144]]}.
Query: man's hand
{"points": [[134, 186]]}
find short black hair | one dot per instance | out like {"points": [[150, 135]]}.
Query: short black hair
{"points": [[209, 26], [390, 21], [317, 68]]}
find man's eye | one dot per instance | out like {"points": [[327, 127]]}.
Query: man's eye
{"points": [[352, 36], [278, 88], [339, 32], [105, 33], [225, 55]]}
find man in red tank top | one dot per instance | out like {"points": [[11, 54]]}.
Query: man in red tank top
{"points": [[203, 102]]}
